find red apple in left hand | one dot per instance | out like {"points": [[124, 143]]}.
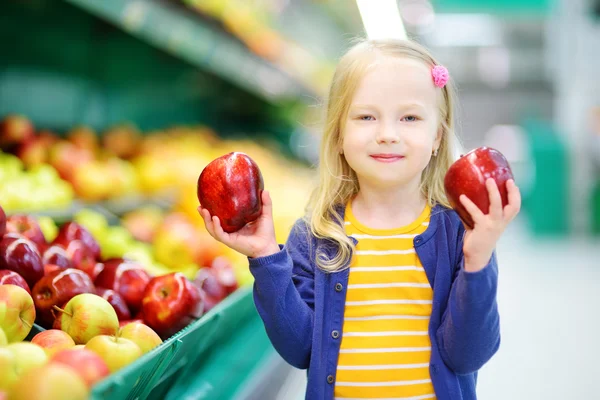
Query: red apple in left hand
{"points": [[57, 288], [171, 302], [27, 227], [73, 231], [468, 175], [8, 277], [128, 278], [230, 187]]}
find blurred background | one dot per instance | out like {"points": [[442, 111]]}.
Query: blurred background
{"points": [[112, 108]]}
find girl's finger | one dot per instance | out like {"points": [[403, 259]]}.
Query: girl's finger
{"points": [[471, 208], [267, 209], [514, 200], [207, 221], [495, 199], [219, 232]]}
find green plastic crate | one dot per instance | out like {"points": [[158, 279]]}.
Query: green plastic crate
{"points": [[154, 375]]}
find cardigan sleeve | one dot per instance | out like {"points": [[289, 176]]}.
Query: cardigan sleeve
{"points": [[284, 296]]}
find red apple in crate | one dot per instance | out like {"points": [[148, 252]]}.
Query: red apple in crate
{"points": [[142, 335], [50, 268], [225, 273], [214, 292], [116, 301], [8, 277], [468, 175], [17, 312], [230, 187], [57, 288], [2, 222], [128, 278], [73, 231], [29, 228], [83, 258], [56, 255], [117, 352], [88, 315], [171, 302], [21, 255], [88, 365], [14, 130], [53, 341], [50, 381]]}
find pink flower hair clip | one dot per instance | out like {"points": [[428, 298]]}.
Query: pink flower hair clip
{"points": [[440, 75]]}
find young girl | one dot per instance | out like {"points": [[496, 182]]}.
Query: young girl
{"points": [[380, 291]]}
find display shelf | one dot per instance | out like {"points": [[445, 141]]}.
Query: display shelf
{"points": [[191, 39]]}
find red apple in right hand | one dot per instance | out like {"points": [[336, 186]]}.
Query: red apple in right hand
{"points": [[73, 231], [116, 301], [230, 187], [21, 255], [468, 175], [8, 277], [171, 302], [128, 278], [27, 227], [58, 288]]}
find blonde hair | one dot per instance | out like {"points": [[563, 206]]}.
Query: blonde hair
{"points": [[337, 181]]}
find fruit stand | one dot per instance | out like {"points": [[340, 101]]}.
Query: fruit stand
{"points": [[109, 112]]}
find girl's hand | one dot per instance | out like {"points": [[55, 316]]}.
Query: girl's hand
{"points": [[479, 242], [256, 239]]}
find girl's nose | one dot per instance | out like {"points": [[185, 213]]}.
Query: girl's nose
{"points": [[388, 134]]}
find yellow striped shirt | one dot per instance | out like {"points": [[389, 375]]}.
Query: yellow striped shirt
{"points": [[385, 346]]}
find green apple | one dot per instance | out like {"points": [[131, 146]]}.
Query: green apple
{"points": [[117, 352], [117, 242], [51, 381], [48, 227], [88, 315], [142, 335], [17, 312], [94, 222], [3, 338]]}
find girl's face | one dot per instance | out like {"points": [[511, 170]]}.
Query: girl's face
{"points": [[393, 123]]}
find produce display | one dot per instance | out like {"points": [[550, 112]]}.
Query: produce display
{"points": [[85, 296]]}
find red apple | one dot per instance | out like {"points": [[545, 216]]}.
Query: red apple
{"points": [[82, 258], [230, 187], [2, 222], [29, 228], [72, 231], [50, 268], [21, 255], [115, 300], [128, 278], [53, 341], [57, 288], [14, 130], [171, 302], [214, 292], [225, 274], [67, 157], [88, 365], [468, 175], [58, 256], [33, 152], [8, 277]]}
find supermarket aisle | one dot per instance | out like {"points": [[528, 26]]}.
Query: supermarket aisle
{"points": [[549, 297]]}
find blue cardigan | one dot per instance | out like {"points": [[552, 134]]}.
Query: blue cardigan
{"points": [[301, 306]]}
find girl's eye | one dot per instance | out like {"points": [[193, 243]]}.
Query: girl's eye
{"points": [[410, 118], [366, 118]]}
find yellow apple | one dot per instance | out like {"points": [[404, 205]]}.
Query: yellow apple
{"points": [[142, 335], [87, 315], [115, 351], [53, 341], [17, 312], [51, 381]]}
